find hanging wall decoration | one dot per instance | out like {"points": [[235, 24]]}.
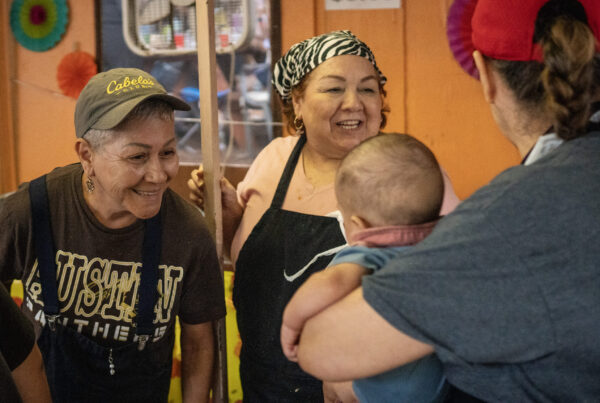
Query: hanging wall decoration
{"points": [[74, 71], [38, 25], [459, 34]]}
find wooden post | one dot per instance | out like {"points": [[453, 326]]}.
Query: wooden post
{"points": [[205, 38], [8, 141]]}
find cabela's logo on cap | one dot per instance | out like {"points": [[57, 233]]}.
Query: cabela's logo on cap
{"points": [[128, 84]]}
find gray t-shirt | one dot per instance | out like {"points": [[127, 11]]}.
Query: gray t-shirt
{"points": [[507, 287]]}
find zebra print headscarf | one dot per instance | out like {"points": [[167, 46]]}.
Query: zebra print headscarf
{"points": [[305, 56]]}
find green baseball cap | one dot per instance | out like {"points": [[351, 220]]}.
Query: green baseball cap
{"points": [[109, 97]]}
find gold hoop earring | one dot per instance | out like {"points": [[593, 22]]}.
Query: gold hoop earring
{"points": [[89, 183], [298, 124]]}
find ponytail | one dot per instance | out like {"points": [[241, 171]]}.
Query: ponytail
{"points": [[567, 82], [569, 75]]}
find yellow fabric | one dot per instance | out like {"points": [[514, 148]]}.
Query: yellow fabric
{"points": [[16, 291], [175, 389], [234, 343]]}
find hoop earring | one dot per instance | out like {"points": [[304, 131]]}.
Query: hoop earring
{"points": [[298, 124], [89, 183]]}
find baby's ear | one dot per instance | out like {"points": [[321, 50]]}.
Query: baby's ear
{"points": [[360, 222]]}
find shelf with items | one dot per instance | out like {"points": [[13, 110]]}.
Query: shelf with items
{"points": [[168, 27]]}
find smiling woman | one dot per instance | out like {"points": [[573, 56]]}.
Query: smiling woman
{"points": [[281, 221], [104, 251], [340, 106], [131, 165]]}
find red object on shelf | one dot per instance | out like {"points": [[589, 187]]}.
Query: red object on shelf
{"points": [[179, 41]]}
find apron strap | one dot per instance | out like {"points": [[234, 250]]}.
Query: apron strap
{"points": [[149, 277], [288, 172], [44, 245]]}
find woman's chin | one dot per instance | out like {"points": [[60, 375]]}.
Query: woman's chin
{"points": [[146, 212], [145, 206]]}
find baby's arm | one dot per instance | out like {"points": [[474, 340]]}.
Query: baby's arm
{"points": [[317, 293]]}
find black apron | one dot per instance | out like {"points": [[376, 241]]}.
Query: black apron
{"points": [[284, 248], [78, 368]]}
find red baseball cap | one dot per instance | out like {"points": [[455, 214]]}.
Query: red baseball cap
{"points": [[502, 29]]}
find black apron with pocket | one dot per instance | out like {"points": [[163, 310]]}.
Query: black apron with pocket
{"points": [[283, 249], [78, 368]]}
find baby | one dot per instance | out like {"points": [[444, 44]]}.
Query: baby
{"points": [[389, 190]]}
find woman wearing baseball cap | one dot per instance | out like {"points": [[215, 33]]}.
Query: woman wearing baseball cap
{"points": [[104, 253], [505, 289]]}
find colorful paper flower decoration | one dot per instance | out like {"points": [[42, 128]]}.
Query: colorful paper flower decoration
{"points": [[459, 34], [38, 24], [74, 71]]}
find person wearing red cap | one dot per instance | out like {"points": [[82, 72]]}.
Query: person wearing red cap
{"points": [[505, 288]]}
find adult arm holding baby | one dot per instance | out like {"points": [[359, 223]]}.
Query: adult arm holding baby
{"points": [[318, 292]]}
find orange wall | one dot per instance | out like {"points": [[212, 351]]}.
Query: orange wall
{"points": [[44, 119], [429, 95]]}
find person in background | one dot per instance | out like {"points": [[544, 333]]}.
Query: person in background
{"points": [[505, 288], [109, 256], [277, 222], [22, 375], [389, 191]]}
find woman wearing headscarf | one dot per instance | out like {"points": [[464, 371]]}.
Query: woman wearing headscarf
{"points": [[505, 289], [333, 97], [105, 256]]}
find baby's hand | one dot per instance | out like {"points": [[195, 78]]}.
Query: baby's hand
{"points": [[289, 342]]}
